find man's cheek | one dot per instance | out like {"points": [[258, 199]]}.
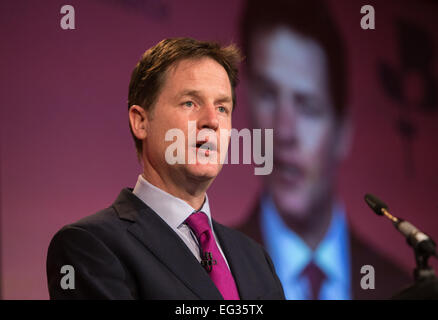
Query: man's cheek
{"points": [[314, 139]]}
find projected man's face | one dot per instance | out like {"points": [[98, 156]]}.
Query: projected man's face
{"points": [[288, 91]]}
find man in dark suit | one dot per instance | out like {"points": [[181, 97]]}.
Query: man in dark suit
{"points": [[158, 240], [296, 70]]}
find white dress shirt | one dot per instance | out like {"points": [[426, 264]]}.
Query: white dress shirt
{"points": [[174, 212], [290, 255]]}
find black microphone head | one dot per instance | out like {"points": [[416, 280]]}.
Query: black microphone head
{"points": [[375, 204]]}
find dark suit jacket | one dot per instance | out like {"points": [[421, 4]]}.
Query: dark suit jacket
{"points": [[389, 278], [128, 252]]}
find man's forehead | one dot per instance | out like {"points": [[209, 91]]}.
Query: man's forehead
{"points": [[198, 77], [283, 57], [279, 79], [192, 67]]}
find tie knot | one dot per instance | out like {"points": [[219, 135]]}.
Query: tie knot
{"points": [[316, 277], [198, 222]]}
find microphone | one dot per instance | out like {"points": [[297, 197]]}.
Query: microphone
{"points": [[375, 204], [207, 261], [415, 238]]}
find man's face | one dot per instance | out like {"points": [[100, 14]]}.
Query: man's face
{"points": [[193, 90], [288, 92]]}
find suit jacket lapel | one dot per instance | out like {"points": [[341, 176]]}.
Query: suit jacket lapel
{"points": [[156, 235], [238, 264]]}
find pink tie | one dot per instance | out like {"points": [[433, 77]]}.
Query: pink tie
{"points": [[212, 259], [316, 277]]}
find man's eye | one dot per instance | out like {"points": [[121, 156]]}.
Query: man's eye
{"points": [[310, 106], [189, 104], [222, 109]]}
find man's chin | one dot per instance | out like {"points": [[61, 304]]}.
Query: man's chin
{"points": [[203, 172], [292, 206]]}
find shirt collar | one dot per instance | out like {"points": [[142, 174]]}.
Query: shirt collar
{"points": [[288, 251], [172, 210], [291, 254], [332, 254]]}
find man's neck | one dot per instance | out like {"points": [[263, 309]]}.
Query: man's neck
{"points": [[192, 193], [314, 227]]}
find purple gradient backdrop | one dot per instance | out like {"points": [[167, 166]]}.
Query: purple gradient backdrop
{"points": [[66, 150]]}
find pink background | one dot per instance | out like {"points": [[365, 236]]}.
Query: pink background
{"points": [[66, 150]]}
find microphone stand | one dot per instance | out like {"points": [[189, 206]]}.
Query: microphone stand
{"points": [[423, 271], [426, 283], [425, 286]]}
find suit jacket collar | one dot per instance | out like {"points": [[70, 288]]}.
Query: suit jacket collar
{"points": [[157, 236]]}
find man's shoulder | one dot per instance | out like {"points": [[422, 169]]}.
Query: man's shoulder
{"points": [[100, 226], [99, 221], [363, 253], [111, 218], [390, 277]]}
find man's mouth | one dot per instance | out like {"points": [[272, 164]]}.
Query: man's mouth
{"points": [[289, 172], [205, 145]]}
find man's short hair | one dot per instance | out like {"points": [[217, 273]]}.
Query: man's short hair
{"points": [[309, 18], [149, 74]]}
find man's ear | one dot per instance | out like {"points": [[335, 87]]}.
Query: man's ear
{"points": [[139, 121]]}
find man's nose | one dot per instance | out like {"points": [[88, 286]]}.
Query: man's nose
{"points": [[208, 118], [286, 121]]}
